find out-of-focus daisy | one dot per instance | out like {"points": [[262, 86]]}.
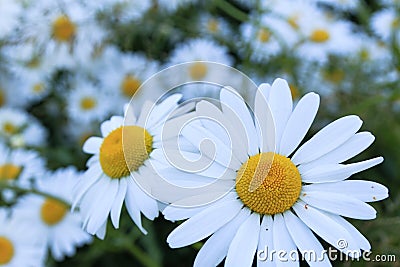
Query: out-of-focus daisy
{"points": [[86, 103], [123, 10], [324, 36], [20, 129], [199, 50], [108, 182], [370, 50], [9, 96], [210, 25], [19, 245], [9, 16], [20, 166], [67, 32], [385, 23], [123, 78], [60, 230], [279, 195]]}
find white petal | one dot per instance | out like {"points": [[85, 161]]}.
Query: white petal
{"points": [[101, 233], [106, 128], [144, 113], [147, 205], [280, 101], [305, 240], [330, 137], [352, 147], [235, 103], [339, 204], [362, 242], [283, 242], [265, 243], [326, 228], [264, 120], [366, 191], [244, 244], [163, 110], [216, 247], [337, 172], [203, 224], [134, 210], [299, 123], [117, 205], [92, 145]]}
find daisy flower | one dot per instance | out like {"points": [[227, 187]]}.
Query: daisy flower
{"points": [[20, 166], [108, 183], [9, 96], [385, 23], [195, 51], [86, 103], [20, 129], [213, 26], [60, 230], [19, 245], [123, 77], [282, 194]]}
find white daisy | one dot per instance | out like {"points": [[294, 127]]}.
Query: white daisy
{"points": [[9, 95], [60, 230], [86, 103], [20, 129], [19, 245], [210, 25], [195, 51], [385, 23], [279, 195], [108, 183], [122, 78], [20, 166], [324, 36]]}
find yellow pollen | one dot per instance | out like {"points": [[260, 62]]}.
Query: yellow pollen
{"points": [[38, 88], [117, 158], [88, 103], [263, 35], [63, 29], [9, 128], [198, 70], [212, 25], [293, 22], [130, 85], [319, 36], [53, 211], [268, 183], [396, 23], [6, 250], [9, 171]]}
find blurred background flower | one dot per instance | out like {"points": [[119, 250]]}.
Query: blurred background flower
{"points": [[67, 66]]}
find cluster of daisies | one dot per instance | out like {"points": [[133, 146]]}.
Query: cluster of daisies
{"points": [[68, 69]]}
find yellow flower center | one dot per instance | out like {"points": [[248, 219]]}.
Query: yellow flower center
{"points": [[212, 25], [88, 103], [198, 70], [6, 250], [63, 29], [2, 98], [396, 23], [9, 171], [38, 88], [268, 183], [293, 22], [129, 85], [263, 35], [9, 128], [319, 36], [117, 158], [53, 211]]}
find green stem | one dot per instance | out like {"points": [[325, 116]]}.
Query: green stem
{"points": [[141, 256], [231, 10], [5, 185]]}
